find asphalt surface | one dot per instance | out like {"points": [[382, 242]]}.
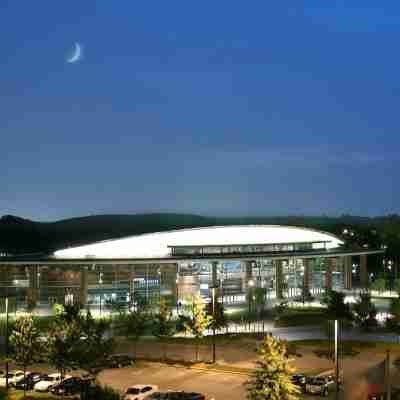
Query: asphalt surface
{"points": [[215, 385]]}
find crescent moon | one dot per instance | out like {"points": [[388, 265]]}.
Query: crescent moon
{"points": [[77, 54]]}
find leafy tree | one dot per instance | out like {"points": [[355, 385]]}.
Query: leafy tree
{"points": [[365, 312], [219, 320], [116, 307], [25, 339], [396, 285], [134, 326], [31, 300], [93, 346], [393, 323], [198, 321], [163, 326], [336, 307], [260, 299], [58, 309], [379, 285], [78, 340], [272, 379], [61, 345]]}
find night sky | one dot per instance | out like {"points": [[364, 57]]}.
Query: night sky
{"points": [[213, 107]]}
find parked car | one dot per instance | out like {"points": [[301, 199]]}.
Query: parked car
{"points": [[69, 386], [51, 380], [321, 385], [13, 378], [120, 360], [175, 396], [139, 392], [30, 381], [299, 380]]}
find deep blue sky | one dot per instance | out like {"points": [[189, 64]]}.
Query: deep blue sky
{"points": [[212, 107]]}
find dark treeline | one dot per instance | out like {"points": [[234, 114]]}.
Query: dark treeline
{"points": [[22, 236]]}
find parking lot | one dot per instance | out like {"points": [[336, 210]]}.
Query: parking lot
{"points": [[215, 385]]}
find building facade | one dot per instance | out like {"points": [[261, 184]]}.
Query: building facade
{"points": [[284, 261]]}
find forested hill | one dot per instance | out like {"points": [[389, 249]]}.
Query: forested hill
{"points": [[23, 236]]}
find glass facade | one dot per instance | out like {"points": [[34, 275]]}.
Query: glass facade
{"points": [[103, 285]]}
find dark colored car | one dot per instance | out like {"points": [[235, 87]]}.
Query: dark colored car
{"points": [[299, 380], [69, 386], [176, 396], [30, 380], [120, 360]]}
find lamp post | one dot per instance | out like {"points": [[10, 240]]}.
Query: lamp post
{"points": [[213, 289], [177, 296], [7, 343]]}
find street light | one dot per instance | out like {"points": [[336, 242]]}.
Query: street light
{"points": [[213, 289], [7, 343], [177, 296]]}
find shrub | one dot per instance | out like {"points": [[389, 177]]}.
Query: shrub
{"points": [[98, 392]]}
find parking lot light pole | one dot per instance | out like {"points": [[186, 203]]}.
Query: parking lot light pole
{"points": [[213, 288], [337, 378], [7, 343]]}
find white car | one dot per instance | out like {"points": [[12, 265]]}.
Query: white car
{"points": [[321, 385], [13, 377], [49, 382], [139, 392]]}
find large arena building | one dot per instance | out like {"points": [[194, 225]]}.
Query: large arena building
{"points": [[177, 264]]}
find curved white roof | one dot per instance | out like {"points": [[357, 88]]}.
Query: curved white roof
{"points": [[156, 245]]}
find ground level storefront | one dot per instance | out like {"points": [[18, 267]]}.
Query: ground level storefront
{"points": [[102, 283]]}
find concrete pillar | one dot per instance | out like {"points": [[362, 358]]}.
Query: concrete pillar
{"points": [[247, 274], [278, 279], [328, 272], [131, 277], [44, 284], [83, 289], [5, 275], [214, 273], [33, 291], [363, 271], [307, 262], [347, 273]]}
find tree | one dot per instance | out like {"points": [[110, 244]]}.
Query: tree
{"points": [[77, 340], [198, 321], [336, 307], [93, 347], [163, 326], [393, 323], [272, 379], [379, 285], [25, 339], [133, 326], [396, 285], [260, 299], [365, 312], [219, 320], [62, 345]]}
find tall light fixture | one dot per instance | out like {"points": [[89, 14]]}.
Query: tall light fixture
{"points": [[213, 289], [7, 343]]}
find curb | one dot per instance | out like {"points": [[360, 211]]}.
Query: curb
{"points": [[222, 371]]}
